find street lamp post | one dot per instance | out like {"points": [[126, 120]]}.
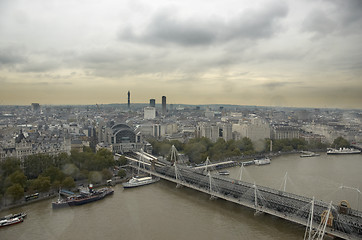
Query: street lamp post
{"points": [[358, 193]]}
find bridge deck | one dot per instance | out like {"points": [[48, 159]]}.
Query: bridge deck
{"points": [[286, 207], [215, 165]]}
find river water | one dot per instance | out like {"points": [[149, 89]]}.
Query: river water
{"points": [[162, 212]]}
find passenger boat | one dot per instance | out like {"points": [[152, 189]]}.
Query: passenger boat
{"points": [[12, 219], [16, 215], [247, 163], [262, 161], [343, 151], [308, 154], [83, 198], [139, 181], [226, 172]]}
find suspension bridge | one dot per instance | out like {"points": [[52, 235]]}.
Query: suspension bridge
{"points": [[319, 217]]}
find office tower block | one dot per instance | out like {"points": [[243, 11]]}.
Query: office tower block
{"points": [[164, 104], [152, 102], [129, 100]]}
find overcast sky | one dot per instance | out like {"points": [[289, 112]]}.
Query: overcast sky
{"points": [[272, 53]]}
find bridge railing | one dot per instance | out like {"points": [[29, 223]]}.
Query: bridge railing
{"points": [[283, 202]]}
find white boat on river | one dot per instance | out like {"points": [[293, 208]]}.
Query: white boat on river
{"points": [[262, 161], [343, 151], [139, 181]]}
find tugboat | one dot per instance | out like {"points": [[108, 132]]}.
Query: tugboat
{"points": [[83, 197]]}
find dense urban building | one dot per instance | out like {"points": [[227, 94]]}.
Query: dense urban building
{"points": [[254, 128], [26, 130], [124, 139], [149, 113], [25, 144], [215, 131], [284, 132], [35, 107]]}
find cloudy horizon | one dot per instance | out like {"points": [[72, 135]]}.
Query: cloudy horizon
{"points": [[263, 53]]}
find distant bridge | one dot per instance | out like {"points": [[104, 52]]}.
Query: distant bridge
{"points": [[294, 208]]}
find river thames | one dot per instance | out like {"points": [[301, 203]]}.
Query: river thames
{"points": [[161, 211]]}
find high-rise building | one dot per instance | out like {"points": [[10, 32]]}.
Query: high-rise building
{"points": [[149, 113], [152, 102], [129, 100], [284, 132], [35, 107], [164, 104], [254, 128], [215, 131]]}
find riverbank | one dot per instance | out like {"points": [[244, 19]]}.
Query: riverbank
{"points": [[42, 197], [52, 194], [268, 154], [132, 212]]}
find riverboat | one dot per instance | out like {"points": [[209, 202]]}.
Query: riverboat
{"points": [[247, 163], [139, 181], [225, 172], [83, 198], [16, 215], [308, 154], [12, 219], [262, 161], [343, 151]]}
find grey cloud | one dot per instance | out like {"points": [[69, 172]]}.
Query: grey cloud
{"points": [[155, 61], [42, 66], [101, 56], [274, 85], [11, 56], [50, 83], [21, 59], [37, 83], [350, 10], [54, 77], [167, 28], [116, 62], [254, 24], [284, 55], [130, 59], [337, 17], [319, 23]]}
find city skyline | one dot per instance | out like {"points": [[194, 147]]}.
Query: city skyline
{"points": [[262, 53]]}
